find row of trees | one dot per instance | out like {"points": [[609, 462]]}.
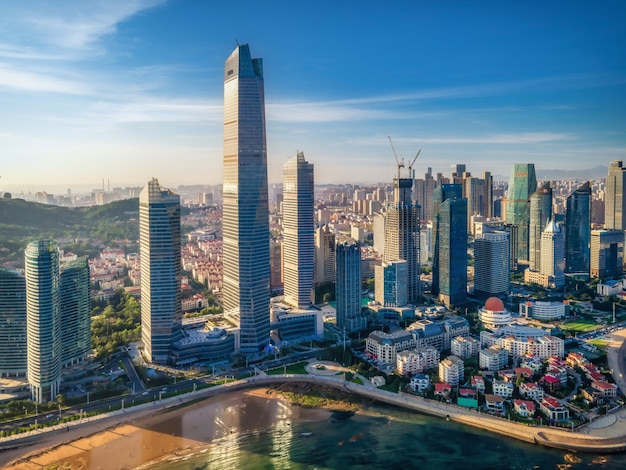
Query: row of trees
{"points": [[115, 324]]}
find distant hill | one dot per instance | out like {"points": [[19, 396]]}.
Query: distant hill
{"points": [[22, 222]]}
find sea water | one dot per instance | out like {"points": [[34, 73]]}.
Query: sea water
{"points": [[376, 437]]}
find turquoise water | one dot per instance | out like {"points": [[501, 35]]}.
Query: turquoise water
{"points": [[382, 437]]}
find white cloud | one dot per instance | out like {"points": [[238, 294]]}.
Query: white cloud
{"points": [[158, 111], [34, 81]]}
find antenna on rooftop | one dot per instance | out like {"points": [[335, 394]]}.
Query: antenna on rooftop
{"points": [[236, 42]]}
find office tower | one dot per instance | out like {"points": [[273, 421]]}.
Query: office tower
{"points": [[324, 255], [246, 248], [540, 213], [578, 230], [75, 310], [522, 184], [348, 287], [492, 264], [276, 267], [391, 283], [607, 253], [402, 234], [487, 203], [379, 233], [298, 233], [424, 194], [458, 171], [159, 244], [43, 320], [615, 197], [450, 257], [12, 323], [553, 255]]}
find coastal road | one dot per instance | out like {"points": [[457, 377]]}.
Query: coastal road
{"points": [[616, 357]]}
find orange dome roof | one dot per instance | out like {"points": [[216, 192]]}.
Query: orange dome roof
{"points": [[494, 304]]}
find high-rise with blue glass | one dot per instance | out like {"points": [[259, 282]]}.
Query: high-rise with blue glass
{"points": [[450, 233], [12, 323], [43, 320], [522, 184], [578, 230], [246, 234], [159, 244]]}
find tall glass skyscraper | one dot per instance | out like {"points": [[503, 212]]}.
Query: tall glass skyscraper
{"points": [[578, 230], [43, 320], [450, 232], [159, 244], [553, 254], [75, 308], [246, 244], [348, 287], [491, 264], [540, 213], [522, 184], [299, 232], [12, 323], [615, 197], [402, 235]]}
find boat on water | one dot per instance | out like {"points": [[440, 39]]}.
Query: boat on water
{"points": [[306, 434]]}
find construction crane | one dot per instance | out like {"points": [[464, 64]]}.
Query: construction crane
{"points": [[412, 162], [400, 163]]}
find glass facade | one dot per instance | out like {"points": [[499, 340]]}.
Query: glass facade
{"points": [[578, 230], [615, 197], [43, 321], [522, 184], [12, 324], [348, 287], [246, 235], [159, 244], [75, 309], [450, 258], [402, 235], [540, 213], [298, 232], [491, 264]]}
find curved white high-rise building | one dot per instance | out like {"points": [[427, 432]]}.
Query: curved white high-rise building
{"points": [[43, 321], [553, 254], [246, 234]]}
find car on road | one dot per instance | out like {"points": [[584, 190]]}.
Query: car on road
{"points": [[50, 416]]}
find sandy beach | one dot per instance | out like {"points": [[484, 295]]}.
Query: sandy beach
{"points": [[153, 436]]}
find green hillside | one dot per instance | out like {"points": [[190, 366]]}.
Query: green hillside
{"points": [[81, 230]]}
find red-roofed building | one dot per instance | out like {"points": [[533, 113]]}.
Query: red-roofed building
{"points": [[606, 389], [551, 383], [525, 372], [443, 390], [531, 391], [478, 383], [467, 392], [553, 409], [524, 408]]}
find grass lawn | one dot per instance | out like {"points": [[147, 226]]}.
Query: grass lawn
{"points": [[357, 380], [580, 326], [599, 343], [298, 368]]}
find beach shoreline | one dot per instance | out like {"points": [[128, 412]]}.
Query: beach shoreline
{"points": [[140, 438]]}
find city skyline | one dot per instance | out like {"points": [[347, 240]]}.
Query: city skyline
{"points": [[98, 91]]}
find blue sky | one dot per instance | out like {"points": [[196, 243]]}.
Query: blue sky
{"points": [[130, 89]]}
